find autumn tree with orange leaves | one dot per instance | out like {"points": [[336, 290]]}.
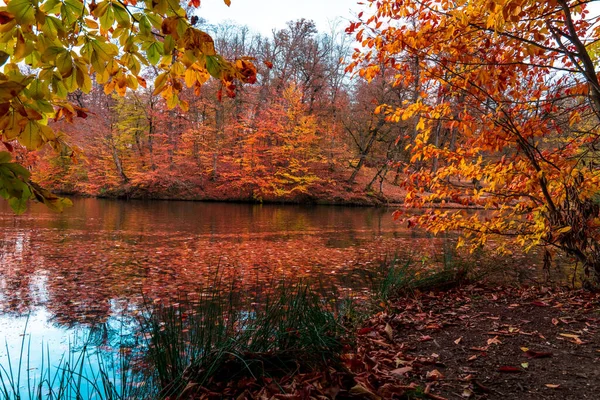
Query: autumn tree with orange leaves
{"points": [[507, 117]]}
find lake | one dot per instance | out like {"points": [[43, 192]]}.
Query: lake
{"points": [[83, 272]]}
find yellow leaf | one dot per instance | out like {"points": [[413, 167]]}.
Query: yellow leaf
{"points": [[31, 137], [190, 77], [159, 83]]}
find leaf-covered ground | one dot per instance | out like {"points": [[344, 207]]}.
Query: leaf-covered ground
{"points": [[469, 343], [483, 343]]}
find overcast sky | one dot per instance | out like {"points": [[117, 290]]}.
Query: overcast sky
{"points": [[264, 15]]}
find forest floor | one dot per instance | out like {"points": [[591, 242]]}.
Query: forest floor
{"points": [[472, 342], [478, 342]]}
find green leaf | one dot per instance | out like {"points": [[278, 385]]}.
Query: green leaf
{"points": [[214, 66], [145, 26], [154, 52], [19, 203], [37, 90], [64, 63], [53, 27], [23, 11], [18, 170], [50, 6], [107, 18], [169, 44], [5, 157], [105, 51], [71, 11], [121, 15]]}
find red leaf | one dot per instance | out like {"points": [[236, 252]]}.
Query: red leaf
{"points": [[5, 17], [537, 354], [508, 368], [539, 304]]}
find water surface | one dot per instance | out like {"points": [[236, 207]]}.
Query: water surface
{"points": [[80, 273]]}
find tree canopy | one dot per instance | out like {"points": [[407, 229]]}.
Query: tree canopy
{"points": [[50, 49], [506, 115]]}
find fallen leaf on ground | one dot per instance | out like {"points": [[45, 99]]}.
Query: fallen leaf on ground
{"points": [[360, 390], [508, 368], [434, 375], [401, 371], [389, 332], [537, 354], [494, 340], [539, 304]]}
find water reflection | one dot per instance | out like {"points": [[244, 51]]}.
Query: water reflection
{"points": [[75, 277], [73, 265]]}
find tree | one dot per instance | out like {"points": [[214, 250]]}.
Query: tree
{"points": [[507, 117], [67, 45]]}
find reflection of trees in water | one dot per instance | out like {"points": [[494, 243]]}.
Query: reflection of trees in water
{"points": [[104, 250], [20, 275]]}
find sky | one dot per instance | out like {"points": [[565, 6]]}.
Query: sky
{"points": [[264, 15]]}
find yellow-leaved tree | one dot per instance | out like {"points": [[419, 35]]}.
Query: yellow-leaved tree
{"points": [[506, 116], [52, 48]]}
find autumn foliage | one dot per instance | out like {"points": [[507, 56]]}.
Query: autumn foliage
{"points": [[505, 115], [293, 135], [68, 46]]}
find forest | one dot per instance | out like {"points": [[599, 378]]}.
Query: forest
{"points": [[478, 122], [301, 132]]}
